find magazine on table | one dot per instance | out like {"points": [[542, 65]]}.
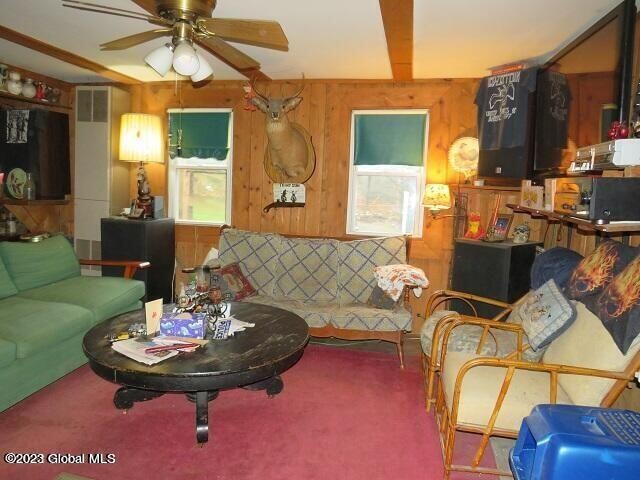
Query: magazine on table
{"points": [[154, 350]]}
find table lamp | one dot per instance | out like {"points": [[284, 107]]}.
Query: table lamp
{"points": [[436, 197], [141, 141]]}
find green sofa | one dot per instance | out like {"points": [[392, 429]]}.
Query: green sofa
{"points": [[46, 307]]}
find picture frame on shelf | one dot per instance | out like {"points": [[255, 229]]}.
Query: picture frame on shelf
{"points": [[499, 230]]}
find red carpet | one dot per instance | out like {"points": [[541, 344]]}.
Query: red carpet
{"points": [[343, 414]]}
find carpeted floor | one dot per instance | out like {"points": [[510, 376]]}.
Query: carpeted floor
{"points": [[343, 414]]}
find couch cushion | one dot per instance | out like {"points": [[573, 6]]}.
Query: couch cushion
{"points": [[587, 344], [357, 260], [7, 352], [32, 265], [316, 315], [257, 254], [362, 317], [33, 325], [7, 287], [103, 296], [307, 270], [481, 386]]}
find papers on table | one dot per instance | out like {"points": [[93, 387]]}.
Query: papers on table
{"points": [[227, 327], [161, 348]]}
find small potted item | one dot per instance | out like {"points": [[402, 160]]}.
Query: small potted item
{"points": [[521, 233], [28, 88], [14, 85]]}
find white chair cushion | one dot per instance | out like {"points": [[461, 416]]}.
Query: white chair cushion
{"points": [[587, 344], [480, 388]]}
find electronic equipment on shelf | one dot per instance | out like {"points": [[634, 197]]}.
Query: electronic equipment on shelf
{"points": [[615, 154], [599, 199]]}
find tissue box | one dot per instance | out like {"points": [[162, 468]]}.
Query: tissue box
{"points": [[190, 325]]}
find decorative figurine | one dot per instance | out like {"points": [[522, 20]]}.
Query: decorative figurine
{"points": [[14, 85], [474, 229], [521, 233]]}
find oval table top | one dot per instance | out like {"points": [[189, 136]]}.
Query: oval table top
{"points": [[275, 344]]}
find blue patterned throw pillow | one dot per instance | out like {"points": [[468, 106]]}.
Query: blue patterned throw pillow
{"points": [[545, 314]]}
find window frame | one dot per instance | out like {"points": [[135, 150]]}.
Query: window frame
{"points": [[194, 163], [420, 176]]}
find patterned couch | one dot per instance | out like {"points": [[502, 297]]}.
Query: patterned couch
{"points": [[325, 281]]}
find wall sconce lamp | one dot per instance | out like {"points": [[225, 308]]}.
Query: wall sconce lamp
{"points": [[141, 141], [437, 198]]}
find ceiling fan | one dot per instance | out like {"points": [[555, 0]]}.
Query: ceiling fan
{"points": [[188, 22]]}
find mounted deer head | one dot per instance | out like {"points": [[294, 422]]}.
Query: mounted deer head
{"points": [[289, 150]]}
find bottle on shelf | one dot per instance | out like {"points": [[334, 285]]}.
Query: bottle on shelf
{"points": [[30, 188]]}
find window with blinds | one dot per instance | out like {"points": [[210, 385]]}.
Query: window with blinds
{"points": [[387, 171], [200, 159]]}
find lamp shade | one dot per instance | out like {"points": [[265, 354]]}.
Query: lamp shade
{"points": [[204, 70], [160, 59], [141, 138], [185, 60], [436, 197]]}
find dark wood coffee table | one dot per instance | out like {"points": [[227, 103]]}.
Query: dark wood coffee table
{"points": [[252, 359]]}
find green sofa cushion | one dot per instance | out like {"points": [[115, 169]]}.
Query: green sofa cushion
{"points": [[34, 325], [32, 265], [7, 352], [7, 287], [103, 296]]}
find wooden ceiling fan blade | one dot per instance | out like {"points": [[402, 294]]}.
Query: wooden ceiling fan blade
{"points": [[135, 39], [227, 53], [260, 33]]}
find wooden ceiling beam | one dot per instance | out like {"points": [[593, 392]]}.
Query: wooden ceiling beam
{"points": [[397, 18], [254, 74], [65, 56]]}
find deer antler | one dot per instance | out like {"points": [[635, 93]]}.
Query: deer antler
{"points": [[253, 87], [299, 90]]}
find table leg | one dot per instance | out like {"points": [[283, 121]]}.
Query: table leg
{"points": [[202, 417], [272, 385], [202, 399], [125, 397]]}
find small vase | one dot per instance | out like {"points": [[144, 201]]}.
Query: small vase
{"points": [[28, 88], [14, 85]]}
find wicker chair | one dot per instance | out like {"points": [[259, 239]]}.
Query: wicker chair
{"points": [[468, 338], [490, 396]]}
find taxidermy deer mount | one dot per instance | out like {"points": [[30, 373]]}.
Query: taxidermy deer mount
{"points": [[290, 157]]}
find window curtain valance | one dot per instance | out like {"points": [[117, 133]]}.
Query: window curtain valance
{"points": [[204, 134], [393, 139]]}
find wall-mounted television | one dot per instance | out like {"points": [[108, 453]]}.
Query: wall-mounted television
{"points": [[582, 89]]}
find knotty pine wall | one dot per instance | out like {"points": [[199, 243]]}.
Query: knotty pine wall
{"points": [[326, 113]]}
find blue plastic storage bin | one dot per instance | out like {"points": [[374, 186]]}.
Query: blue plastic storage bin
{"points": [[563, 442]]}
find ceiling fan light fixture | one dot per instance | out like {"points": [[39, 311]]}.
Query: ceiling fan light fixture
{"points": [[204, 71], [160, 59], [185, 59]]}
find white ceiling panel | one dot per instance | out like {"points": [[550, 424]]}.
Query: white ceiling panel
{"points": [[462, 38], [22, 57], [328, 39]]}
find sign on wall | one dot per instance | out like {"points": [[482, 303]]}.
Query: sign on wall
{"points": [[288, 193]]}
